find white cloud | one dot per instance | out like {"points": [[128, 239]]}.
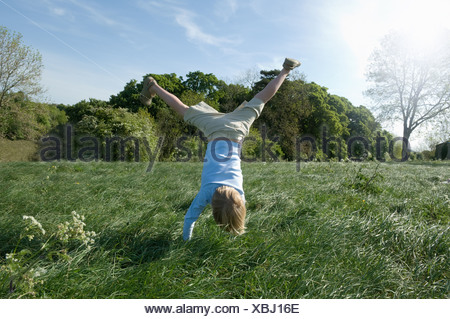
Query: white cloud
{"points": [[226, 9], [191, 22], [194, 32], [58, 11], [99, 17]]}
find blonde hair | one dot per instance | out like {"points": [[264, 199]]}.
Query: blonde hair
{"points": [[229, 209]]}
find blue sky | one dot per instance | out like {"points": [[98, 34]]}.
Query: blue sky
{"points": [[92, 48]]}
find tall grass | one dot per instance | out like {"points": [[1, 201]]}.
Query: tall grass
{"points": [[332, 230]]}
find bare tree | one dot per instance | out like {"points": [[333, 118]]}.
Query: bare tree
{"points": [[410, 83], [20, 66]]}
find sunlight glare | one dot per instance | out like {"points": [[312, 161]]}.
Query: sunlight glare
{"points": [[422, 22], [365, 23]]}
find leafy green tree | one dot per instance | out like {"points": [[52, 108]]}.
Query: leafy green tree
{"points": [[341, 106], [76, 112], [325, 120], [26, 120], [362, 125], [168, 124], [362, 122], [20, 66], [206, 84], [97, 119], [128, 98], [282, 115], [171, 126], [233, 96], [322, 113]]}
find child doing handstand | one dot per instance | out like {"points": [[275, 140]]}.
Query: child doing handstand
{"points": [[221, 182]]}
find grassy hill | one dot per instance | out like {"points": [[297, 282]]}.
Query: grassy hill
{"points": [[331, 230]]}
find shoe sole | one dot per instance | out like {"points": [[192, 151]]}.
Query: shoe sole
{"points": [[291, 64], [145, 96]]}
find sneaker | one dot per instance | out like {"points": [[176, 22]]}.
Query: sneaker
{"points": [[146, 96], [290, 64]]}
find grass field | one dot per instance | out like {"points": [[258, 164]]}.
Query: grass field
{"points": [[18, 151], [331, 230]]}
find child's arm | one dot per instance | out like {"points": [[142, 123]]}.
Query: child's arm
{"points": [[272, 87], [169, 98], [192, 215]]}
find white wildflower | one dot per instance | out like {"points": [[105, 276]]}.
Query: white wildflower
{"points": [[75, 230], [12, 257], [35, 223], [39, 272]]}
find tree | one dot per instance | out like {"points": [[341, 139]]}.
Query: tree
{"points": [[362, 122], [128, 98], [283, 113], [20, 66], [206, 84], [100, 131], [410, 83], [233, 96]]}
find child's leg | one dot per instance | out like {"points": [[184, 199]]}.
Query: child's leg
{"points": [[272, 87], [170, 99]]}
